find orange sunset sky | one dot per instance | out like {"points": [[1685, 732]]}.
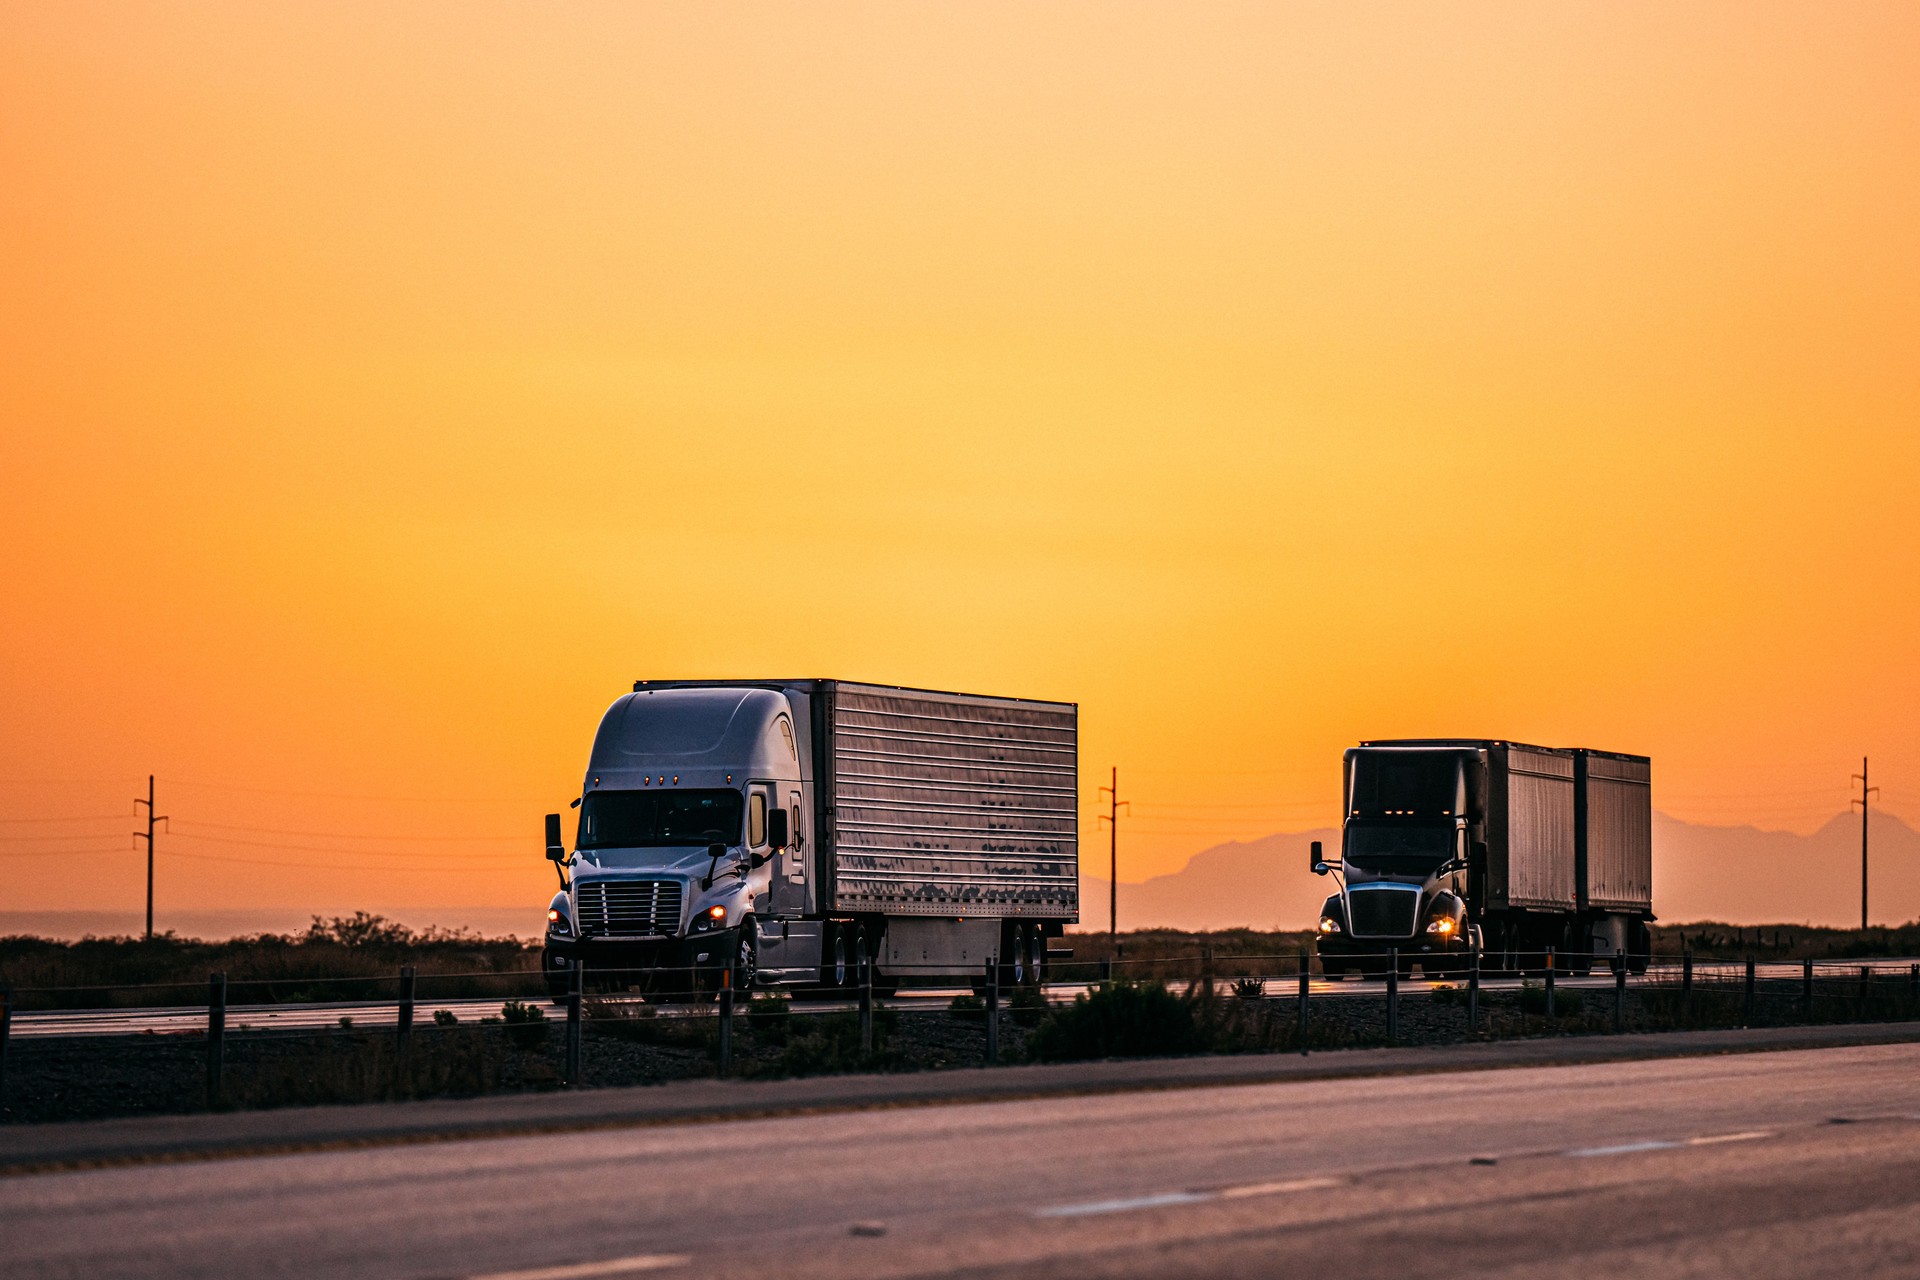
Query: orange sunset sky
{"points": [[384, 388]]}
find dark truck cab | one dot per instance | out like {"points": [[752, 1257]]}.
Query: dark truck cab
{"points": [[1452, 844]]}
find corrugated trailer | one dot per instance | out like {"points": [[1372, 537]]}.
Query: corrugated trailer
{"points": [[1615, 828], [1530, 827], [949, 804]]}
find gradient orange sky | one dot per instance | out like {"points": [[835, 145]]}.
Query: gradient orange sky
{"points": [[386, 387]]}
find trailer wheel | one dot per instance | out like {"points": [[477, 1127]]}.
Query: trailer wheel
{"points": [[1018, 969], [838, 968]]}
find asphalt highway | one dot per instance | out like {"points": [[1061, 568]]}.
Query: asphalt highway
{"points": [[266, 1017], [1803, 1163]]}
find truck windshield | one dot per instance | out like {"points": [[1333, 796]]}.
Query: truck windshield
{"points": [[1411, 784], [642, 819], [1398, 851]]}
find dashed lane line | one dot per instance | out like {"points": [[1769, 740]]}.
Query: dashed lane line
{"points": [[627, 1266], [1093, 1207], [1165, 1199], [1668, 1144]]}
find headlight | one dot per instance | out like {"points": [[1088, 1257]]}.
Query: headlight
{"points": [[1443, 926], [557, 922], [1329, 925], [712, 918]]}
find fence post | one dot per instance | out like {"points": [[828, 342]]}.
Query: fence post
{"points": [[726, 1020], [993, 1013], [216, 1035], [1393, 993], [6, 1026], [1748, 1017], [1913, 997], [1806, 989], [1304, 978], [1106, 969], [1549, 984], [1473, 993], [403, 1030], [866, 999], [1686, 985], [1619, 990], [575, 990]]}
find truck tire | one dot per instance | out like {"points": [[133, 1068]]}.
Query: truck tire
{"points": [[746, 960]]}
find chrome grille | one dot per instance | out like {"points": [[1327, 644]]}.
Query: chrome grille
{"points": [[617, 908], [1383, 913]]}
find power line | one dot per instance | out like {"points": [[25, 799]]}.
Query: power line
{"points": [[332, 835], [311, 866], [317, 848], [330, 795]]}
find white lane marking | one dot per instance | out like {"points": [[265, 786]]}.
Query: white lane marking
{"points": [[1121, 1206], [1277, 1188], [582, 1270], [1659, 1144], [1623, 1148]]}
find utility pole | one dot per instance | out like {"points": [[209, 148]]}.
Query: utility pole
{"points": [[1112, 818], [147, 835], [1866, 794]]}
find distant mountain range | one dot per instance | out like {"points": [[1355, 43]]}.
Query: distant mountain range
{"points": [[1740, 875]]}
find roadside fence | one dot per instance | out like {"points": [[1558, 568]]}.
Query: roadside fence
{"points": [[416, 1034]]}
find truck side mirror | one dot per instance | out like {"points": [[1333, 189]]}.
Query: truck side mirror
{"points": [[556, 846], [777, 833], [1316, 863]]}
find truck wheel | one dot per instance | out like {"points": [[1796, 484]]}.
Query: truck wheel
{"points": [[746, 960]]}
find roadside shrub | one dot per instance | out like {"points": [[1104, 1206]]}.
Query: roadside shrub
{"points": [[1249, 989], [1118, 1020], [968, 1008], [1028, 1006], [643, 1024], [445, 1017], [827, 1043], [768, 1017], [334, 1068], [526, 1023]]}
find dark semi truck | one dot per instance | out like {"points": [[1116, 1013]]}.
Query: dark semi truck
{"points": [[1453, 843]]}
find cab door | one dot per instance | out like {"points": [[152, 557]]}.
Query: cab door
{"points": [[792, 878]]}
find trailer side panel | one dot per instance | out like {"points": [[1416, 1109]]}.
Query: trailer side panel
{"points": [[953, 805], [1617, 832], [1533, 866]]}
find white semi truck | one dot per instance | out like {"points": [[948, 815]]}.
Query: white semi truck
{"points": [[798, 829]]}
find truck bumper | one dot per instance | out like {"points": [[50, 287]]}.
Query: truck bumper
{"points": [[1368, 954], [644, 964]]}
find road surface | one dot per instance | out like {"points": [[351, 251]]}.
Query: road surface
{"points": [[1759, 1165]]}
